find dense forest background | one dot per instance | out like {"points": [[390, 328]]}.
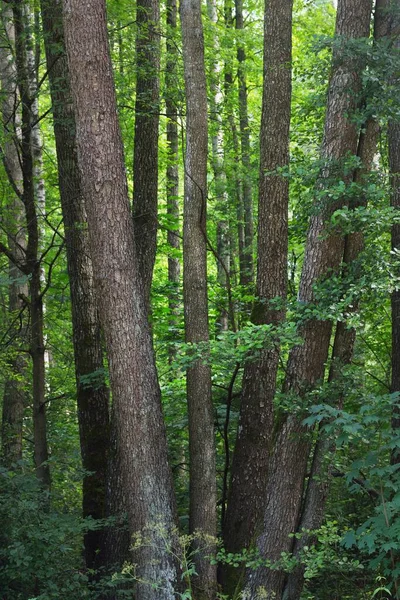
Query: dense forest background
{"points": [[199, 299]]}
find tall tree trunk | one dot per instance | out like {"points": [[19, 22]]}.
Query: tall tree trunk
{"points": [[33, 264], [313, 511], [172, 168], [247, 273], [217, 161], [202, 516], [319, 480], [394, 167], [14, 395], [139, 425], [324, 252], [145, 160], [92, 393], [249, 467], [234, 148]]}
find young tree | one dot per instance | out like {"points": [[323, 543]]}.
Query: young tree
{"points": [[202, 516], [32, 263], [172, 182], [14, 399], [393, 18], [137, 411], [145, 160], [247, 267]]}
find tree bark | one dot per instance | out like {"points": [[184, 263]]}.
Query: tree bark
{"points": [[172, 171], [394, 169], [249, 467], [92, 392], [14, 399], [319, 480], [145, 159], [33, 263], [221, 196], [139, 426], [247, 272], [324, 252], [202, 515]]}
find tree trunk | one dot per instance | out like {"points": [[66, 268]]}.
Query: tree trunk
{"points": [[394, 168], [14, 395], [92, 393], [324, 252], [145, 160], [249, 468], [313, 512], [172, 171], [139, 426], [202, 515], [247, 273], [217, 162], [33, 265]]}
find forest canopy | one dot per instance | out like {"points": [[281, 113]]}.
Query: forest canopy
{"points": [[200, 299]]}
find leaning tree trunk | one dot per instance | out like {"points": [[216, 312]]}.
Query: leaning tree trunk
{"points": [[92, 393], [249, 467], [202, 515], [14, 399], [313, 511], [137, 411], [145, 160], [324, 253], [316, 495]]}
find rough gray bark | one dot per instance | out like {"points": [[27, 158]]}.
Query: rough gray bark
{"points": [[250, 458], [92, 393], [145, 159], [14, 221], [324, 252], [172, 168], [202, 516], [139, 426]]}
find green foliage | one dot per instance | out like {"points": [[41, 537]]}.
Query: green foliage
{"points": [[40, 553]]}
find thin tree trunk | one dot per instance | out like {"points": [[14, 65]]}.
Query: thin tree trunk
{"points": [[145, 159], [14, 399], [394, 168], [247, 274], [92, 393], [236, 153], [217, 162], [37, 348], [249, 468], [202, 515], [139, 425], [324, 252], [172, 170]]}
